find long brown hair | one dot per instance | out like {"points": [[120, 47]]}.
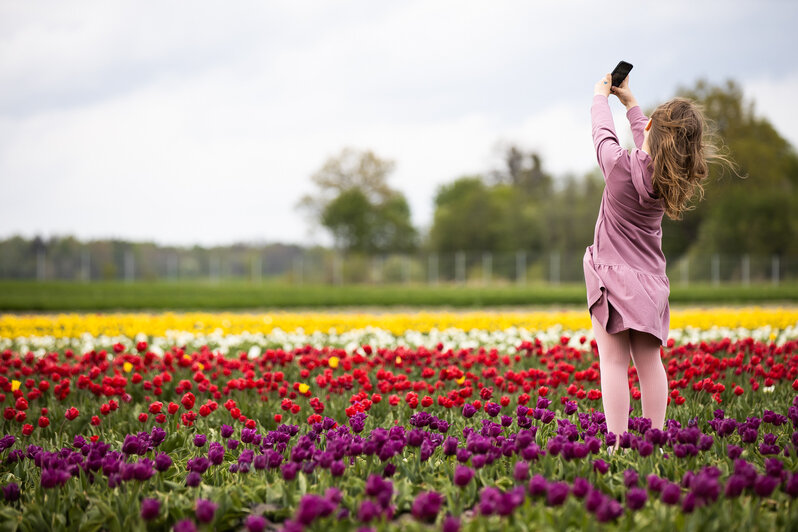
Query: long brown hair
{"points": [[681, 146]]}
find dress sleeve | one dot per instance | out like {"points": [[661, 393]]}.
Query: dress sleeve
{"points": [[638, 121], [608, 149]]}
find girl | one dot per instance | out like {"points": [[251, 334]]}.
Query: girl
{"points": [[627, 289]]}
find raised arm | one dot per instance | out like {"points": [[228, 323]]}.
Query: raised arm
{"points": [[608, 150], [638, 121]]}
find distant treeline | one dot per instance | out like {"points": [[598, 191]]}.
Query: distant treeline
{"points": [[69, 258]]}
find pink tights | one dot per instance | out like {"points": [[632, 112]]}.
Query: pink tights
{"points": [[614, 354]]}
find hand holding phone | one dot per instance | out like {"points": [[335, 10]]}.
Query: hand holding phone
{"points": [[620, 72]]}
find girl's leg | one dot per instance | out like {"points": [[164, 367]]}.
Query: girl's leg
{"points": [[653, 379], [614, 350]]}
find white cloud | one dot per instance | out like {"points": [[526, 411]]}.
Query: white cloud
{"points": [[775, 99]]}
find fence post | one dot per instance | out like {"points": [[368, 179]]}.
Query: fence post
{"points": [[214, 269], [715, 269], [338, 277], [380, 268], [85, 265], [774, 270], [257, 269], [432, 274], [172, 266], [40, 265], [520, 267], [298, 270], [487, 267], [686, 271], [459, 267], [554, 268], [746, 270], [130, 266]]}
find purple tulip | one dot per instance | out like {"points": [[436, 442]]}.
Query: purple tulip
{"points": [[7, 441], [52, 478], [791, 486], [580, 487], [636, 498], [450, 446], [537, 486], [764, 485], [630, 478], [227, 431], [451, 524], [199, 464], [733, 451], [150, 508], [200, 440], [311, 507], [735, 486], [671, 493], [163, 462], [493, 409], [462, 475], [11, 491], [255, 523], [381, 489], [746, 471], [289, 470], [594, 500], [427, 505], [368, 511], [645, 448], [205, 510], [521, 471], [600, 466], [469, 410], [479, 461], [689, 503], [193, 479], [186, 525], [556, 493], [609, 510]]}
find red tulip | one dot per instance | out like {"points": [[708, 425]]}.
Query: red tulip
{"points": [[188, 400]]}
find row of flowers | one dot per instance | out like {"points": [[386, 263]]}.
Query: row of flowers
{"points": [[455, 431], [394, 323], [256, 343]]}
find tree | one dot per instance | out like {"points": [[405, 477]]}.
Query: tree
{"points": [[748, 215], [356, 204]]}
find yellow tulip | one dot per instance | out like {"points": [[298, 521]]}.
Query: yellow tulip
{"points": [[303, 388], [129, 325], [333, 362], [15, 384], [128, 367]]}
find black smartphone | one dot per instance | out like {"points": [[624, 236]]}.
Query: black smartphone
{"points": [[620, 73]]}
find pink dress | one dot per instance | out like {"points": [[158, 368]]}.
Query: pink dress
{"points": [[625, 268]]}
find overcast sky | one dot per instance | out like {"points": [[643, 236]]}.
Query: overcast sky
{"points": [[201, 122]]}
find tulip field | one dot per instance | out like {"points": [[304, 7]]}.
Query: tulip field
{"points": [[480, 420]]}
